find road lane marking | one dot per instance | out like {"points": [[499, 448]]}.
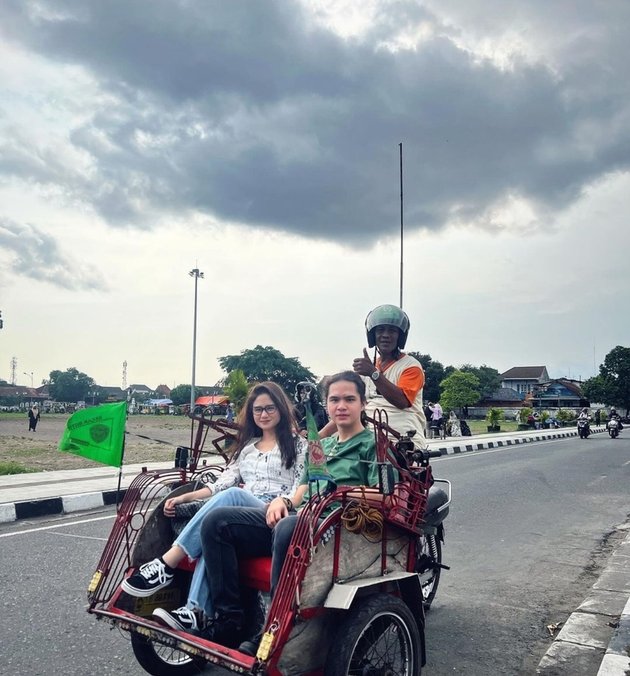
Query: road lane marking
{"points": [[81, 537], [57, 525], [477, 453]]}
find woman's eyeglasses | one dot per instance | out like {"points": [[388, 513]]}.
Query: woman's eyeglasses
{"points": [[269, 409]]}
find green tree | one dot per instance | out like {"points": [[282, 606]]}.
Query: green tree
{"points": [[489, 378], [615, 372], [595, 389], [433, 375], [458, 390], [70, 385], [236, 388], [266, 363], [180, 395]]}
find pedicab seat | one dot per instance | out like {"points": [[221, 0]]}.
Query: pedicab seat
{"points": [[254, 573]]}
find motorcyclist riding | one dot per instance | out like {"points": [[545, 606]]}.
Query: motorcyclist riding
{"points": [[583, 423], [615, 416]]}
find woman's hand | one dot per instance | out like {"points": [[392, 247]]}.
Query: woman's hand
{"points": [[169, 505], [276, 511]]}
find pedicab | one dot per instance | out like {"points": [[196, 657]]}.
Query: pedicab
{"points": [[362, 567]]}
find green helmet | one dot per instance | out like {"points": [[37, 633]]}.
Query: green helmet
{"points": [[387, 315]]}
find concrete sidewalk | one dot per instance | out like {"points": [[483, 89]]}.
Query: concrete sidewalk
{"points": [[594, 641]]}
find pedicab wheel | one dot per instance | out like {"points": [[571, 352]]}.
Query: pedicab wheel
{"points": [[160, 660], [428, 563], [380, 637]]}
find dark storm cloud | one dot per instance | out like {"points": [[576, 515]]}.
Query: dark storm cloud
{"points": [[31, 253], [248, 112]]}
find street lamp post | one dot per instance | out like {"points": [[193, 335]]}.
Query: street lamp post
{"points": [[30, 394], [196, 273]]}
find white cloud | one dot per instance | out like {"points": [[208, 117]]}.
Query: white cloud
{"points": [[260, 142]]}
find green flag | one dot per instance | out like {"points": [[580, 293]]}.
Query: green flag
{"points": [[97, 433], [317, 469]]}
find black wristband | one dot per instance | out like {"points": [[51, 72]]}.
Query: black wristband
{"points": [[288, 503]]}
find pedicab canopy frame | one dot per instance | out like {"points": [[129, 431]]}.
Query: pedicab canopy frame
{"points": [[368, 543]]}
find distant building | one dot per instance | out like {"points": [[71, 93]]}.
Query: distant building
{"points": [[504, 396], [163, 391], [112, 394], [559, 393], [23, 396], [524, 379], [136, 390]]}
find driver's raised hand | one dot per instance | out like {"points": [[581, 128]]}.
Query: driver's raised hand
{"points": [[363, 365]]}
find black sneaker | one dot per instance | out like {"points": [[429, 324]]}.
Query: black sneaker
{"points": [[150, 578], [250, 647], [225, 632], [183, 619]]}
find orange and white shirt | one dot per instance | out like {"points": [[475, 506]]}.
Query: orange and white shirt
{"points": [[406, 373]]}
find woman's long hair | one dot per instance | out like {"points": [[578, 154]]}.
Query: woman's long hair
{"points": [[248, 429]]}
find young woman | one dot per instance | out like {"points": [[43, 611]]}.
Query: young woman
{"points": [[269, 463], [230, 533]]}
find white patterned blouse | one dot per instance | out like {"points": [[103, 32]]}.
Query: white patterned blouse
{"points": [[262, 473]]}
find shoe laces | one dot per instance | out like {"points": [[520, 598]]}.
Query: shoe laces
{"points": [[152, 569], [187, 615]]}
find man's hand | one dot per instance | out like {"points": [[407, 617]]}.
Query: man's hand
{"points": [[363, 365], [276, 511]]}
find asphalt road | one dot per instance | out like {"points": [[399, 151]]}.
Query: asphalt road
{"points": [[529, 528]]}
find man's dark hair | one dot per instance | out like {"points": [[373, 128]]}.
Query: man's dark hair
{"points": [[351, 377]]}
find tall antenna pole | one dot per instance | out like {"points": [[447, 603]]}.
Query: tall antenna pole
{"points": [[196, 273], [401, 225]]}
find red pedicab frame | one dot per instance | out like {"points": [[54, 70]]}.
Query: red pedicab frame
{"points": [[400, 500]]}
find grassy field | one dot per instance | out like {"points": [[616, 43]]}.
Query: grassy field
{"points": [[24, 451]]}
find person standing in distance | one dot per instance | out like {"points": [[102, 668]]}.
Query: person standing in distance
{"points": [[394, 380]]}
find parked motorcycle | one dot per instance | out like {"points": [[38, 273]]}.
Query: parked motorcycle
{"points": [[613, 428], [583, 428]]}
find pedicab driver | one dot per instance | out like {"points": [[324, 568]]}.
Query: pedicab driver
{"points": [[394, 380]]}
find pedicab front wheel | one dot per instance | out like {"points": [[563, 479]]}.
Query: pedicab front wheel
{"points": [[160, 660], [380, 638]]}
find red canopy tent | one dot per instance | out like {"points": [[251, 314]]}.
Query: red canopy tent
{"points": [[212, 400]]}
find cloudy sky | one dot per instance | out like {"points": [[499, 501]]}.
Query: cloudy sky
{"points": [[258, 141]]}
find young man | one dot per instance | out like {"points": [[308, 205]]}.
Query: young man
{"points": [[230, 533], [394, 380]]}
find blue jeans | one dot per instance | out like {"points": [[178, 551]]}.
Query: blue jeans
{"points": [[190, 541]]}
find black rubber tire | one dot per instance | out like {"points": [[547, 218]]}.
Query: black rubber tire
{"points": [[160, 660], [363, 648], [427, 557]]}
